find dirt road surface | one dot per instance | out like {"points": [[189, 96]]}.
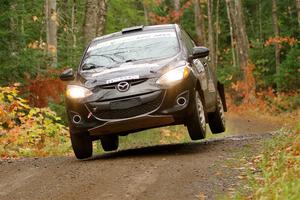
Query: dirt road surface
{"points": [[177, 171]]}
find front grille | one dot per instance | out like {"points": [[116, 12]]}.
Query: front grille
{"points": [[130, 112], [131, 82]]}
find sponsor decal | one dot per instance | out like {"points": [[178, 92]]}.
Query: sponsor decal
{"points": [[123, 78], [123, 40], [125, 66]]}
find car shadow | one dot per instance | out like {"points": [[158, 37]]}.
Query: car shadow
{"points": [[161, 150]]}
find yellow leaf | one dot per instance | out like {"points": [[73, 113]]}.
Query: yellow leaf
{"points": [[34, 18]]}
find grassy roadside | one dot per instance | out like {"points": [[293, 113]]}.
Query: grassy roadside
{"points": [[275, 173]]}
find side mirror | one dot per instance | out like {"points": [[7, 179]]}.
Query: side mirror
{"points": [[67, 75], [200, 52]]}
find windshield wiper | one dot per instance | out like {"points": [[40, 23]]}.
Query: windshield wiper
{"points": [[130, 60], [133, 59], [103, 55], [90, 66]]}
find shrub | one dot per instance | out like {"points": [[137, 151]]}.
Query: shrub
{"points": [[29, 131]]}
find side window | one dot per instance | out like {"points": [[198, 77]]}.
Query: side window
{"points": [[189, 44]]}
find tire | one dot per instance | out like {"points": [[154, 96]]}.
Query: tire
{"points": [[82, 145], [110, 143], [216, 119], [197, 123]]}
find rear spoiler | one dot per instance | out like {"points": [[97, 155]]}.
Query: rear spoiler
{"points": [[132, 29]]}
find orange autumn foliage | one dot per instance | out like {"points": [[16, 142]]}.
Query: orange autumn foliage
{"points": [[291, 41], [172, 17], [45, 88]]}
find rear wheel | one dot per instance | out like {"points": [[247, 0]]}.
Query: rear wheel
{"points": [[216, 119], [110, 143], [82, 145], [197, 124]]}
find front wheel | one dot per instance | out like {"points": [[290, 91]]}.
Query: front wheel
{"points": [[197, 124], [216, 119], [82, 145]]}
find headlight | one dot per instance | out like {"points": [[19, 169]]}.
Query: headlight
{"points": [[77, 92], [174, 76]]}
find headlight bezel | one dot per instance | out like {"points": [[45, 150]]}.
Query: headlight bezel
{"points": [[77, 92], [174, 76]]}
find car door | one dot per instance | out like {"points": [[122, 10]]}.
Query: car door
{"points": [[201, 70], [211, 85]]}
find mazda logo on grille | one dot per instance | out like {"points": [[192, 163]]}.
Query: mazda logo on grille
{"points": [[123, 86]]}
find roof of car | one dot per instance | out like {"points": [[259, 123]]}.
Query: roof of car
{"points": [[136, 29]]}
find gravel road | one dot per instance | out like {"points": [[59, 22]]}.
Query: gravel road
{"points": [[176, 171]]}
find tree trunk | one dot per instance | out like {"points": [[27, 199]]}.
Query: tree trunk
{"points": [[145, 7], [73, 24], [177, 5], [298, 10], [101, 17], [242, 46], [95, 17], [232, 32], [242, 38], [260, 21], [276, 34], [211, 39], [217, 30], [51, 30], [199, 24], [13, 28]]}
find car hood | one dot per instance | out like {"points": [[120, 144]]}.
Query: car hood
{"points": [[130, 71]]}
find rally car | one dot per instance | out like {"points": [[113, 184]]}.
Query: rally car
{"points": [[139, 78]]}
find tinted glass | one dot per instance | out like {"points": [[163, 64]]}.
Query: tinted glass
{"points": [[188, 41], [147, 45]]}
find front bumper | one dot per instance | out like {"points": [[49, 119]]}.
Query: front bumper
{"points": [[133, 124], [148, 109]]}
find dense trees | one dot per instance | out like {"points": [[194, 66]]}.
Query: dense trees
{"points": [[38, 35]]}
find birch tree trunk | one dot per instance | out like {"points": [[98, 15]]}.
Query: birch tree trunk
{"points": [[242, 38], [239, 35], [232, 32], [101, 17], [199, 23], [211, 39], [177, 5], [298, 10], [51, 30], [260, 21], [145, 8], [13, 28], [276, 34], [235, 15], [94, 21], [73, 24], [217, 30]]}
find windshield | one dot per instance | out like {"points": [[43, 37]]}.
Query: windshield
{"points": [[111, 53]]}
